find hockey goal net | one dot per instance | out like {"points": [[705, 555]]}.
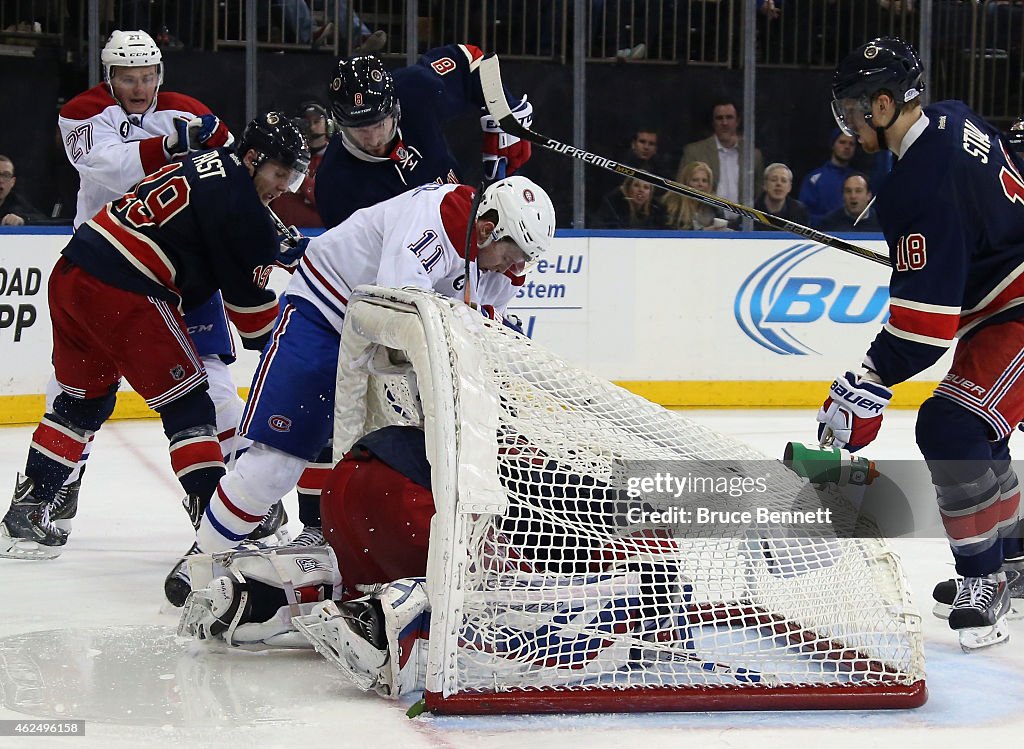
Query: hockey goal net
{"points": [[553, 585]]}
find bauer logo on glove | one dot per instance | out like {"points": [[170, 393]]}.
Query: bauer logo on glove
{"points": [[853, 411]]}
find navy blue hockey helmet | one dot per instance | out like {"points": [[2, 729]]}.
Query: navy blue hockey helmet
{"points": [[883, 64], [362, 92], [273, 136]]}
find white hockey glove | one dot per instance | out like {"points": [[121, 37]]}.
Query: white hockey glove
{"points": [[853, 410], [503, 154]]}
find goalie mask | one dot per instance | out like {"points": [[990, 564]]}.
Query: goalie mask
{"points": [[885, 64], [525, 216], [273, 136]]}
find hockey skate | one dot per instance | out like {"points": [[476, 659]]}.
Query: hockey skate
{"points": [[272, 530], [27, 532], [177, 585], [310, 536], [65, 505], [979, 612], [946, 591], [351, 636]]}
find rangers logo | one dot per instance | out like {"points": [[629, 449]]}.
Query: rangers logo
{"points": [[280, 423], [126, 128], [528, 195], [178, 373], [357, 99], [308, 564]]}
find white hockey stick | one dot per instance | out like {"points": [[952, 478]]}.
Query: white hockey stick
{"points": [[494, 95]]}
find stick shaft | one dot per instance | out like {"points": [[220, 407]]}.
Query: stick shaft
{"points": [[490, 78]]}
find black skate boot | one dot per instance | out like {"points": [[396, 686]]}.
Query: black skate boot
{"points": [[177, 584], [979, 611], [27, 532], [271, 529], [946, 591]]}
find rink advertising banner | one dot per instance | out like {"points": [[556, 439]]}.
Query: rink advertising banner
{"points": [[761, 319]]}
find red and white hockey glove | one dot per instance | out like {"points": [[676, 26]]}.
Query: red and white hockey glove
{"points": [[504, 153], [853, 411]]}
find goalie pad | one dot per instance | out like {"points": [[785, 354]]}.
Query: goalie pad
{"points": [[248, 598], [379, 641]]}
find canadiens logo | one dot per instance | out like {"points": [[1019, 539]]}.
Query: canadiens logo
{"points": [[528, 195], [178, 373], [126, 128], [308, 564], [280, 423]]}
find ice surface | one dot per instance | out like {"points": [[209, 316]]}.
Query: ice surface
{"points": [[88, 636]]}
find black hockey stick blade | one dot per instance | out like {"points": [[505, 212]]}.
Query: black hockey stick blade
{"points": [[497, 105]]}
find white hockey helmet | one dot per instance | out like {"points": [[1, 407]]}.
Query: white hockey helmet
{"points": [[131, 49], [525, 215]]}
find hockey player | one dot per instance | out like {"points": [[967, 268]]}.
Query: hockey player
{"points": [[952, 214], [392, 129], [115, 134], [391, 139], [414, 239], [185, 231]]}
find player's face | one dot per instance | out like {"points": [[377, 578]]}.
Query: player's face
{"points": [[271, 180], [134, 88], [501, 256], [850, 116], [375, 139]]}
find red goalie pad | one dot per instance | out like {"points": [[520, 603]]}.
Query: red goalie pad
{"points": [[376, 520]]}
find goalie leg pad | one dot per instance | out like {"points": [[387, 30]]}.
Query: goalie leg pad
{"points": [[249, 598]]}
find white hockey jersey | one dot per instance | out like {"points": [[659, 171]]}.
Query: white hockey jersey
{"points": [[414, 239], [113, 150]]}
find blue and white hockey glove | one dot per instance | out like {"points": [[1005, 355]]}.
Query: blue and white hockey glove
{"points": [[853, 411], [291, 250], [504, 153], [191, 135]]}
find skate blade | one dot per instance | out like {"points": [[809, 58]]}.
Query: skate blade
{"points": [[978, 638], [19, 548], [319, 632]]}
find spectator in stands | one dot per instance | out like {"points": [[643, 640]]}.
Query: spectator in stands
{"points": [[687, 214], [642, 152], [778, 184], [856, 213], [721, 152], [15, 210], [821, 192], [299, 208], [631, 206]]}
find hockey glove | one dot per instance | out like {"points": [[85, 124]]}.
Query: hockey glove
{"points": [[191, 135], [853, 411], [503, 154], [291, 250]]}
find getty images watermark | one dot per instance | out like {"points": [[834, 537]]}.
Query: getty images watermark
{"points": [[721, 498]]}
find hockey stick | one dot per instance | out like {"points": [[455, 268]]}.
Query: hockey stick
{"points": [[494, 95], [286, 232]]}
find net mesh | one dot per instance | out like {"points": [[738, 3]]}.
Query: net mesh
{"points": [[567, 590]]}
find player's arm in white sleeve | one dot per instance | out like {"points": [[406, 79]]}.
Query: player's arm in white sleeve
{"points": [[95, 148]]}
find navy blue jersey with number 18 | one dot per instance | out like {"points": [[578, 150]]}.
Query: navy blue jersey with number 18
{"points": [[952, 211], [182, 233]]}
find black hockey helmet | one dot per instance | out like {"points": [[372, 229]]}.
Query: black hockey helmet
{"points": [[276, 137], [362, 92], [1015, 136], [883, 64], [308, 109]]}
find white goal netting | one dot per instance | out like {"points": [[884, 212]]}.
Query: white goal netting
{"points": [[560, 581]]}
